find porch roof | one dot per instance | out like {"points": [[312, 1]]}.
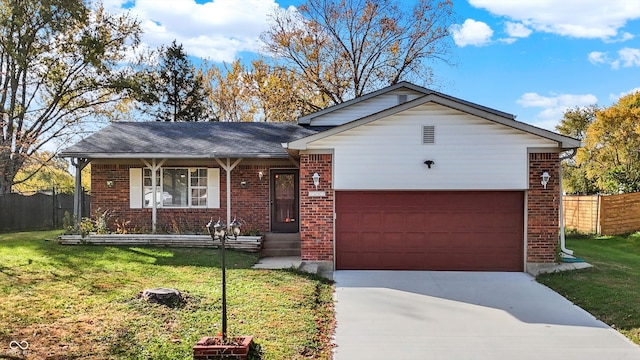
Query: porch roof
{"points": [[189, 140]]}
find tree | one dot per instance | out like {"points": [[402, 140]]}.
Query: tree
{"points": [[612, 147], [345, 48], [575, 124], [44, 171], [176, 90], [229, 92], [60, 67], [259, 92]]}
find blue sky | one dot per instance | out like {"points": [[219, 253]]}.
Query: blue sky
{"points": [[531, 58]]}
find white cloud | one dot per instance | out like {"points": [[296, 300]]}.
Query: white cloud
{"points": [[627, 57], [471, 32], [216, 30], [597, 57], [517, 30], [593, 19], [616, 97], [554, 106]]}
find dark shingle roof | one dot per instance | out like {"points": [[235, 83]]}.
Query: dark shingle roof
{"points": [[189, 140]]}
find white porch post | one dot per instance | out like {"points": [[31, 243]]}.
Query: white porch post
{"points": [[228, 167], [79, 164], [154, 201]]}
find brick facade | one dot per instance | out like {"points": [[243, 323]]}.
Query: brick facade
{"points": [[543, 208], [250, 203], [316, 212]]}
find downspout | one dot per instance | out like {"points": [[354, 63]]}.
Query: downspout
{"points": [[562, 235]]}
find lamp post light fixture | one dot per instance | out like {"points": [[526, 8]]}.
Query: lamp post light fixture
{"points": [[316, 180], [545, 179], [219, 231]]}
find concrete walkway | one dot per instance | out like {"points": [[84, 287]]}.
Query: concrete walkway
{"points": [[463, 315]]}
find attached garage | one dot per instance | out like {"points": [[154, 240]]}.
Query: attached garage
{"points": [[430, 230], [406, 178]]}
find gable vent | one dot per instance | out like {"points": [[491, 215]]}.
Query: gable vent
{"points": [[429, 134], [402, 99]]}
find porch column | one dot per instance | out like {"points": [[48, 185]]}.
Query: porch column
{"points": [[79, 164], [154, 185], [228, 167]]}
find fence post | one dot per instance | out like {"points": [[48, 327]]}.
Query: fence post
{"points": [[54, 208]]}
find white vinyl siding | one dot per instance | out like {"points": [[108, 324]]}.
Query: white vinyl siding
{"points": [[470, 153], [364, 108], [135, 188], [201, 182]]}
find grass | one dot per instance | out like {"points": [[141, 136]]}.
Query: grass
{"points": [[611, 289], [83, 302]]}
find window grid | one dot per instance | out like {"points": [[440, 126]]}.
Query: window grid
{"points": [[169, 197]]}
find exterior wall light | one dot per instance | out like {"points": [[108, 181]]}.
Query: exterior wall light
{"points": [[316, 180], [260, 175], [110, 183], [545, 179]]}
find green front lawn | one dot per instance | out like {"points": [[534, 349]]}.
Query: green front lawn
{"points": [[611, 289], [84, 302]]}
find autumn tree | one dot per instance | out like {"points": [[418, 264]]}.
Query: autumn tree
{"points": [[612, 146], [574, 124], [345, 48], [44, 171], [259, 92], [60, 67], [175, 90], [229, 92]]}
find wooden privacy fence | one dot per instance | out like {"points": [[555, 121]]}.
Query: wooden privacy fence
{"points": [[602, 214], [41, 211]]}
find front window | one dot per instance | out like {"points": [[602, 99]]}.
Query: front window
{"points": [[176, 187]]}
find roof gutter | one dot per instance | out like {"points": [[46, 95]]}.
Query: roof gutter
{"points": [[172, 156]]}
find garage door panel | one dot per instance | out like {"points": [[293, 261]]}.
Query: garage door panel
{"points": [[415, 220], [439, 230], [350, 241], [370, 241], [414, 240], [371, 220]]}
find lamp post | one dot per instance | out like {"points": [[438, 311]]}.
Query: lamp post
{"points": [[219, 231]]}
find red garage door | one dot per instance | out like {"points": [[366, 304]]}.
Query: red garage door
{"points": [[430, 230]]}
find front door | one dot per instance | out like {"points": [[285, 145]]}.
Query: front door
{"points": [[284, 201]]}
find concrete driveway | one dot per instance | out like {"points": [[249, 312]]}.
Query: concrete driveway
{"points": [[464, 315]]}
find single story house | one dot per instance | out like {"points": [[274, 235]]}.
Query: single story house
{"points": [[401, 178]]}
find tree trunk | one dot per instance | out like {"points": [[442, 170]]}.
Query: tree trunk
{"points": [[164, 296]]}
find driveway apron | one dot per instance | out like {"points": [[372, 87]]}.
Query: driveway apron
{"points": [[464, 315]]}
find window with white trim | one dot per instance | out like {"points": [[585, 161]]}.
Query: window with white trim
{"points": [[176, 188]]}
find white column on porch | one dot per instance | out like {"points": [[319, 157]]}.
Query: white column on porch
{"points": [[154, 167], [79, 164], [228, 167]]}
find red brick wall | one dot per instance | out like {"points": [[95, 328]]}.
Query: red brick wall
{"points": [[316, 213], [542, 209], [250, 204]]}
